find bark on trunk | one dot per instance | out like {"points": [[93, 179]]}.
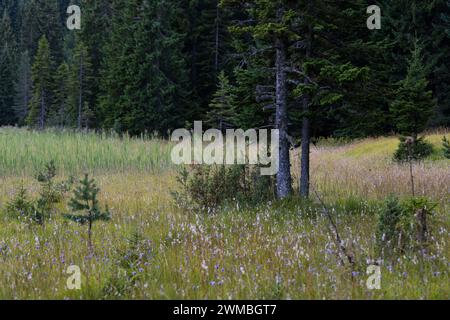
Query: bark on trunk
{"points": [[216, 58], [80, 93], [284, 185], [42, 113], [306, 135], [306, 145]]}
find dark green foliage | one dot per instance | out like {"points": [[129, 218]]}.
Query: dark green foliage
{"points": [[419, 149], [413, 104], [22, 88], [223, 105], [62, 111], [403, 225], [154, 65], [42, 76], [144, 75], [7, 71], [209, 188], [85, 206], [51, 193], [20, 207], [446, 147], [388, 221], [131, 265]]}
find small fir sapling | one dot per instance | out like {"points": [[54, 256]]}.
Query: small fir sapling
{"points": [[85, 206]]}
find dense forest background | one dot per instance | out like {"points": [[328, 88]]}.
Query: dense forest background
{"points": [[155, 65]]}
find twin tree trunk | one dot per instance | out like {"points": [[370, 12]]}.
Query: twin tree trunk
{"points": [[284, 181]]}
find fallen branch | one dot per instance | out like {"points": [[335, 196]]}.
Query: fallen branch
{"points": [[339, 242]]}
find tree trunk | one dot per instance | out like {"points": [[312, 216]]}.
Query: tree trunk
{"points": [[80, 93], [216, 58], [284, 186], [42, 113], [306, 145], [306, 134]]}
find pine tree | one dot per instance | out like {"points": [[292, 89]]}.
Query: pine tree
{"points": [[42, 85], [269, 26], [81, 80], [223, 105], [404, 21], [144, 77], [86, 203], [62, 111], [7, 71], [207, 43], [23, 88], [29, 28], [413, 104], [325, 72], [49, 23], [96, 16]]}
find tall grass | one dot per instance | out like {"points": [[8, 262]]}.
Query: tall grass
{"points": [[22, 152], [277, 251]]}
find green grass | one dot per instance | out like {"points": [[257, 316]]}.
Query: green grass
{"points": [[385, 147], [279, 251], [24, 152]]}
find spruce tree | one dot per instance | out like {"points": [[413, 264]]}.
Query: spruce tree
{"points": [[144, 85], [22, 88], [7, 71], [42, 85], [404, 21], [268, 25], [63, 109], [81, 81], [414, 103], [96, 16], [223, 105]]}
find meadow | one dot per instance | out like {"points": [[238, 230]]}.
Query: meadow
{"points": [[153, 249]]}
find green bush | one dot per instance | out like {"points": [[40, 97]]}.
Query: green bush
{"points": [[420, 149], [208, 188], [403, 224], [50, 194], [23, 209], [446, 147]]}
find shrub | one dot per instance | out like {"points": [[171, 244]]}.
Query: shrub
{"points": [[131, 264], [22, 208], [207, 188], [50, 194], [446, 147], [419, 149], [403, 225]]}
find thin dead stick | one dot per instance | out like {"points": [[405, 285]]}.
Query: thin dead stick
{"points": [[335, 229]]}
